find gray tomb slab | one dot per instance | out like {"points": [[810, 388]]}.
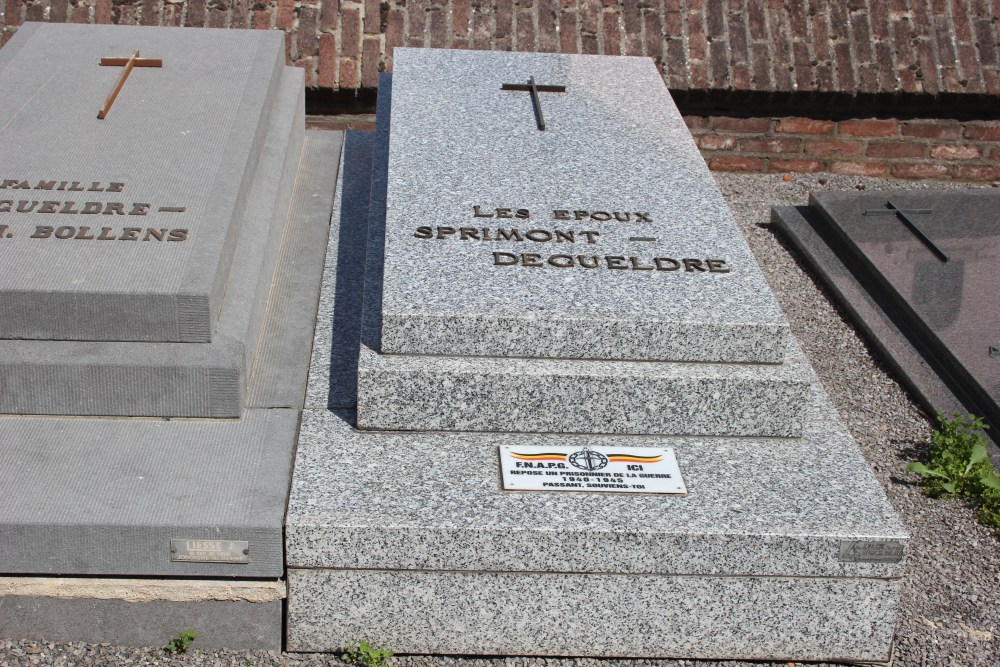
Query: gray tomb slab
{"points": [[783, 547], [184, 379], [177, 155], [486, 392], [603, 236]]}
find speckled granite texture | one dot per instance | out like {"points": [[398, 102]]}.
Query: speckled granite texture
{"points": [[603, 615], [429, 393], [458, 141], [755, 506]]}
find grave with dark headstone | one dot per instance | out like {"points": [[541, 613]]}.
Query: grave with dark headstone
{"points": [[582, 424], [917, 270], [162, 220]]}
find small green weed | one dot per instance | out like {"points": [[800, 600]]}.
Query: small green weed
{"points": [[366, 655], [959, 467], [182, 642]]}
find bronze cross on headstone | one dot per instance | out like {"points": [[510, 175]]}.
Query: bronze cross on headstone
{"points": [[534, 89], [128, 63], [901, 214]]}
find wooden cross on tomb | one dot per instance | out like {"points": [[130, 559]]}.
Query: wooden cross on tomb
{"points": [[534, 88], [128, 63], [901, 214]]}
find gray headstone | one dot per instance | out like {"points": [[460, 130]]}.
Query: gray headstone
{"points": [[124, 229], [603, 236]]}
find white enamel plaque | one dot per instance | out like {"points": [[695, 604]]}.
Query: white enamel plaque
{"points": [[594, 469]]}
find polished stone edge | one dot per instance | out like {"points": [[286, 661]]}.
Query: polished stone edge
{"points": [[429, 393], [594, 615], [923, 376], [333, 370], [172, 379], [577, 338], [281, 364]]}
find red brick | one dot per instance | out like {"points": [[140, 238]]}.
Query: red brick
{"points": [[804, 126], [785, 145], [969, 172], [955, 152], [696, 122], [983, 132], [896, 149], [102, 10], [59, 10], [348, 74], [416, 12], [713, 142], [440, 32], [921, 170], [241, 14], [799, 166], [995, 154], [81, 14], [525, 31], [372, 17], [567, 32], [548, 37], [350, 35], [931, 129], [482, 33], [261, 17], [329, 15], [460, 18], [393, 31], [860, 168], [306, 65], [834, 148], [307, 36], [327, 61], [725, 163], [217, 18], [868, 128], [285, 18], [612, 35], [755, 125], [369, 62]]}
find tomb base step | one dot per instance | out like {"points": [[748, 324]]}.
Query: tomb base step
{"points": [[781, 549], [143, 612], [431, 393]]}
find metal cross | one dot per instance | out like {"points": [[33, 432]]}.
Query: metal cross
{"points": [[900, 213], [533, 88], [128, 63]]}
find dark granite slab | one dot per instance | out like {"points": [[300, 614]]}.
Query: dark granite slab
{"points": [[923, 284]]}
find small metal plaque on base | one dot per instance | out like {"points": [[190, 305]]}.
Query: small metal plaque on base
{"points": [[593, 469], [209, 551], [871, 552]]}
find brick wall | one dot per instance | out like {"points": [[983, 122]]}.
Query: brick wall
{"points": [[943, 149], [855, 47], [829, 59]]}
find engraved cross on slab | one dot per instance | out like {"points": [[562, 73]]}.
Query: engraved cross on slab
{"points": [[534, 88], [901, 214], [128, 63]]}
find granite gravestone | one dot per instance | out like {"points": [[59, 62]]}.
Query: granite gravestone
{"points": [[162, 258], [507, 309], [918, 269]]}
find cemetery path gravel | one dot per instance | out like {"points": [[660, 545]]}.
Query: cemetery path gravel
{"points": [[951, 594]]}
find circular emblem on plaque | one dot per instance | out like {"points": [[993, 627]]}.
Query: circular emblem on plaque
{"points": [[588, 459]]}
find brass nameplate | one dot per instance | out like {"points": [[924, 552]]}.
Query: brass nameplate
{"points": [[871, 552], [209, 551]]}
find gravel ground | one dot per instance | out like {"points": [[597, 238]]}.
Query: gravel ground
{"points": [[951, 594]]}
